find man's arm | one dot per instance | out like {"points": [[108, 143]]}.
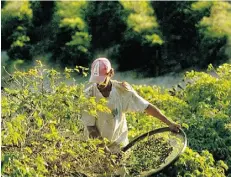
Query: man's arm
{"points": [[155, 112]]}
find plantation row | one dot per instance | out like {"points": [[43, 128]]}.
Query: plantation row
{"points": [[42, 131]]}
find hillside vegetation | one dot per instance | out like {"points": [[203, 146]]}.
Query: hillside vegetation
{"points": [[42, 134]]}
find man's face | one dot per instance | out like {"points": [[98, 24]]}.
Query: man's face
{"points": [[104, 84]]}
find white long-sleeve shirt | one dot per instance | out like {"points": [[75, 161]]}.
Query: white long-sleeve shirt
{"points": [[113, 126]]}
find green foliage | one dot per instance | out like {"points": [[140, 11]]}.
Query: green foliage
{"points": [[141, 21], [194, 164], [177, 25], [41, 127], [72, 33], [40, 113], [106, 25], [20, 10], [154, 39], [42, 131], [161, 98], [16, 21], [214, 31], [203, 109], [195, 33], [79, 40], [209, 92], [209, 100], [201, 5], [168, 36], [218, 23]]}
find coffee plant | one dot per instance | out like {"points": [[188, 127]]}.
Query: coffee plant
{"points": [[202, 107], [42, 132], [41, 127]]}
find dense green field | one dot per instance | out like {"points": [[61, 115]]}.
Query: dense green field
{"points": [[42, 134]]}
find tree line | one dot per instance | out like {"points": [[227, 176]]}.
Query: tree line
{"points": [[153, 36]]}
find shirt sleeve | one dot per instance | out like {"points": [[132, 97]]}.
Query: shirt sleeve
{"points": [[136, 103], [87, 119]]}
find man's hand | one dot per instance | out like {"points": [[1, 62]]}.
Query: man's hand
{"points": [[93, 132], [107, 150], [174, 127]]}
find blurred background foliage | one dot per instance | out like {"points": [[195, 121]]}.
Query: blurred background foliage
{"points": [[152, 36]]}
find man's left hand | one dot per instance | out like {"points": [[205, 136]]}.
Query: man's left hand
{"points": [[174, 127]]}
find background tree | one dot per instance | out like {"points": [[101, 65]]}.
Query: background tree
{"points": [[178, 27], [41, 35], [106, 27], [142, 37], [16, 22], [192, 33], [71, 38], [214, 31], [150, 37]]}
